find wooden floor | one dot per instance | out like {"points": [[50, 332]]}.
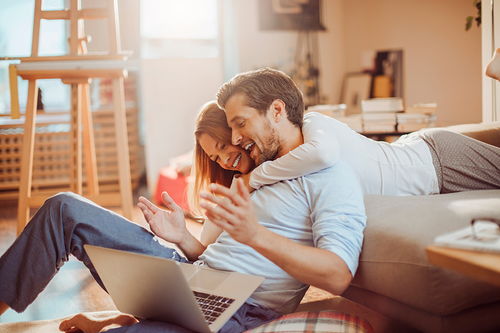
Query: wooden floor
{"points": [[74, 290]]}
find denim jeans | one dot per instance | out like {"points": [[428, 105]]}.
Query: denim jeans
{"points": [[61, 227]]}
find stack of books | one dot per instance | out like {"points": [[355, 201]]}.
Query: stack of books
{"points": [[411, 122], [416, 117], [378, 105], [381, 122], [379, 114], [423, 108]]}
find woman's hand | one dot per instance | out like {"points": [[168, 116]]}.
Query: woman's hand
{"points": [[95, 322], [232, 210], [167, 224]]}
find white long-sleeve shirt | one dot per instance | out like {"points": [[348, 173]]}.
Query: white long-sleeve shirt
{"points": [[403, 167]]}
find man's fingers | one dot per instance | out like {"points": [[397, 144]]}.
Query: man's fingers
{"points": [[223, 202], [148, 204], [216, 220], [218, 212], [228, 193]]}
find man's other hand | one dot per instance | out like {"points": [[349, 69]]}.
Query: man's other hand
{"points": [[232, 210]]}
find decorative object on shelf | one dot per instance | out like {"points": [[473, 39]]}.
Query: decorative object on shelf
{"points": [[388, 74], [356, 87]]}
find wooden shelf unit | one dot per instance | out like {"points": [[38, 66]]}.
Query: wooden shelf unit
{"points": [[52, 155]]}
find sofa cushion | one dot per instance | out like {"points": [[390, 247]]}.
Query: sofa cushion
{"points": [[393, 262], [322, 321]]}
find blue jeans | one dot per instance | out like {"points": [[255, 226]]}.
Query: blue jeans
{"points": [[61, 227]]}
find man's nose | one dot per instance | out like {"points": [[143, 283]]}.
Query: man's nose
{"points": [[235, 138]]}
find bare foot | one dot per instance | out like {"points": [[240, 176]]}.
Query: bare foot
{"points": [[3, 307], [493, 68]]}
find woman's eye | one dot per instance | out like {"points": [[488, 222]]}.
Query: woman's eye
{"points": [[223, 146], [241, 124]]}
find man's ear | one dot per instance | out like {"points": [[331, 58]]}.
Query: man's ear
{"points": [[278, 109]]}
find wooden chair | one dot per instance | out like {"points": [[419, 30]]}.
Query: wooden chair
{"points": [[76, 69]]}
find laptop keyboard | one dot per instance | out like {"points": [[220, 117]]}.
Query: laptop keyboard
{"points": [[212, 306]]}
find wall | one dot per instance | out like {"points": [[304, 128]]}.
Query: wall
{"points": [[247, 47], [172, 91], [442, 62]]}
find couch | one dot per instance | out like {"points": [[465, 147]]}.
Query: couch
{"points": [[394, 276]]}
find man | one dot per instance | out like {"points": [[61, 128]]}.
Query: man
{"points": [[264, 109], [294, 233]]}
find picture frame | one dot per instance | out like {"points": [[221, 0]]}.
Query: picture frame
{"points": [[355, 88]]}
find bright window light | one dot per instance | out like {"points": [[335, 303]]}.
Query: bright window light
{"points": [[173, 28]]}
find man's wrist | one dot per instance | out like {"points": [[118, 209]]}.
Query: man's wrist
{"points": [[259, 239]]}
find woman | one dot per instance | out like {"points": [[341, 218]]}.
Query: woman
{"points": [[421, 163]]}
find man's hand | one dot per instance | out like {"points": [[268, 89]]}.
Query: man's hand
{"points": [[166, 224], [95, 322], [233, 211]]}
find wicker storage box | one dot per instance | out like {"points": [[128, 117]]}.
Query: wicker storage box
{"points": [[52, 156]]}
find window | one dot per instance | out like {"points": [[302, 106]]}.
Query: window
{"points": [[173, 29], [16, 28]]}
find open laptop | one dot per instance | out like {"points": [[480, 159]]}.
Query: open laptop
{"points": [[194, 297]]}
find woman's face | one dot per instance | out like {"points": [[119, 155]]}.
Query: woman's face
{"points": [[229, 157]]}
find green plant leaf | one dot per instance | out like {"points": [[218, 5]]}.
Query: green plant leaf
{"points": [[468, 22]]}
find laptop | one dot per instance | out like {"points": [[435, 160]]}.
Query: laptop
{"points": [[197, 298]]}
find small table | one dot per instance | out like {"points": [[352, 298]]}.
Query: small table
{"points": [[478, 265]]}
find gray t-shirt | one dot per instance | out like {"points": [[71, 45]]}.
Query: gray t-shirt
{"points": [[324, 209]]}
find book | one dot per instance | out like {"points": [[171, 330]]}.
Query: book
{"points": [[422, 108], [391, 104], [486, 238]]}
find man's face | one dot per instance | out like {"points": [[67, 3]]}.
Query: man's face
{"points": [[251, 130]]}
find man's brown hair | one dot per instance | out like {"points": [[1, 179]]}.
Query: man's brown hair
{"points": [[261, 87]]}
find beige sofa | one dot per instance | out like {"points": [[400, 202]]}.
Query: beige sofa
{"points": [[395, 277]]}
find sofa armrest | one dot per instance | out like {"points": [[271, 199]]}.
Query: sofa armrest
{"points": [[485, 132]]}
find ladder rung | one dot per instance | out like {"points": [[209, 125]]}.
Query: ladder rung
{"points": [[55, 14], [83, 14]]}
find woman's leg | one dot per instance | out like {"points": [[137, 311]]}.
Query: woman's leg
{"points": [[463, 163], [61, 227]]}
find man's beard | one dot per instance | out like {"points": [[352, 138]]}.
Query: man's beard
{"points": [[271, 147]]}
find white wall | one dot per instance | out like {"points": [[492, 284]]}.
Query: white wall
{"points": [[442, 62], [172, 91]]}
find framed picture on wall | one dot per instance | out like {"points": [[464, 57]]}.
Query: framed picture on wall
{"points": [[297, 15], [355, 88]]}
